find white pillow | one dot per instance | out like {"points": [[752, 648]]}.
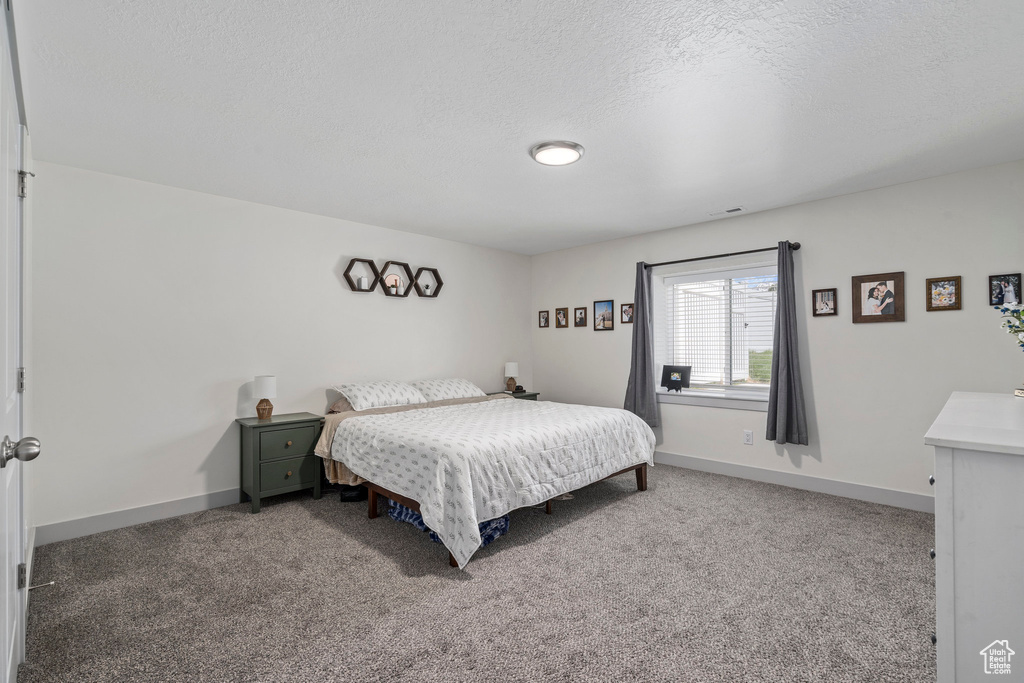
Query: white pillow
{"points": [[442, 389], [379, 394]]}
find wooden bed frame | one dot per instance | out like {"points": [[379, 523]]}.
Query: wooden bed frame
{"points": [[374, 491]]}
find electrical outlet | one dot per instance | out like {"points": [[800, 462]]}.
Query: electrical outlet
{"points": [[748, 437]]}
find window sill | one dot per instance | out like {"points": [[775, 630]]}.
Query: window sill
{"points": [[709, 399]]}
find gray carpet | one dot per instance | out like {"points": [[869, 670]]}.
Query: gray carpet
{"points": [[701, 578]]}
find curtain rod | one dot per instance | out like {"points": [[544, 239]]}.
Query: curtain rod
{"points": [[796, 245]]}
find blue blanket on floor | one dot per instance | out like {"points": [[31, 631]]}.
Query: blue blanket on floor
{"points": [[489, 530]]}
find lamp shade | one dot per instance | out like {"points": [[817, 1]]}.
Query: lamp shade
{"points": [[512, 369], [264, 386]]}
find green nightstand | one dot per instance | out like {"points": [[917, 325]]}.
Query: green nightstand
{"points": [[277, 455], [524, 395]]}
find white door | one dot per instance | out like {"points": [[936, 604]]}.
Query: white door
{"points": [[12, 537]]}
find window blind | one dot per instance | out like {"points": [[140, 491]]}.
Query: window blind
{"points": [[722, 325]]}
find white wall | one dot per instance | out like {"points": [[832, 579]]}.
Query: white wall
{"points": [[152, 307], [872, 389]]}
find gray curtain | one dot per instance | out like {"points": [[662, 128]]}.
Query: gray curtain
{"points": [[640, 391], [787, 420]]}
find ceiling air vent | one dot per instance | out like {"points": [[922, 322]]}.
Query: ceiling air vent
{"points": [[727, 212]]}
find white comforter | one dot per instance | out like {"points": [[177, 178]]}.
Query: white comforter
{"points": [[466, 464]]}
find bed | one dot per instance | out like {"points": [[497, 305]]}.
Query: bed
{"points": [[463, 461]]}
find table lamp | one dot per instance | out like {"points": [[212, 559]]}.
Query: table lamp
{"points": [[266, 387], [511, 370]]}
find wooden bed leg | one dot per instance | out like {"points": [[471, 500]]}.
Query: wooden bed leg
{"points": [[547, 507], [451, 560], [641, 477], [372, 502]]}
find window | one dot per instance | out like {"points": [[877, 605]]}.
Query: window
{"points": [[721, 324]]}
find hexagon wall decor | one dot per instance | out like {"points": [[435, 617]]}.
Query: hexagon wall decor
{"points": [[424, 289], [373, 269]]}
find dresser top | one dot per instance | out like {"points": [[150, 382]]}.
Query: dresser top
{"points": [[278, 419], [980, 422]]}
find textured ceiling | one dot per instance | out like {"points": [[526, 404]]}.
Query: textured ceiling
{"points": [[419, 116]]}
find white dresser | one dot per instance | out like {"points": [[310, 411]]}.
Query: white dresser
{"points": [[979, 536]]}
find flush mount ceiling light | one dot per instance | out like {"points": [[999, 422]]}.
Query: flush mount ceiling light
{"points": [[558, 153]]}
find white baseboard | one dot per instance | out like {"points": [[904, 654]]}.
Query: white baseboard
{"points": [[85, 526], [871, 494]]}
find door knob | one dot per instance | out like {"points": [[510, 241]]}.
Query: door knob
{"points": [[24, 450]]}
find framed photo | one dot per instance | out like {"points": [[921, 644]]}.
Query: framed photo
{"points": [[542, 319], [604, 315], [879, 298], [561, 317], [823, 302], [580, 316], [1003, 289], [626, 314], [942, 293]]}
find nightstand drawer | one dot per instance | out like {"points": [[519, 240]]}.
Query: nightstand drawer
{"points": [[281, 443], [291, 472]]}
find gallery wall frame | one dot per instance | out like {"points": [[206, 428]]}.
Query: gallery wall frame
{"points": [[562, 317], [1004, 289], [824, 302], [604, 315], [879, 298], [943, 293]]}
